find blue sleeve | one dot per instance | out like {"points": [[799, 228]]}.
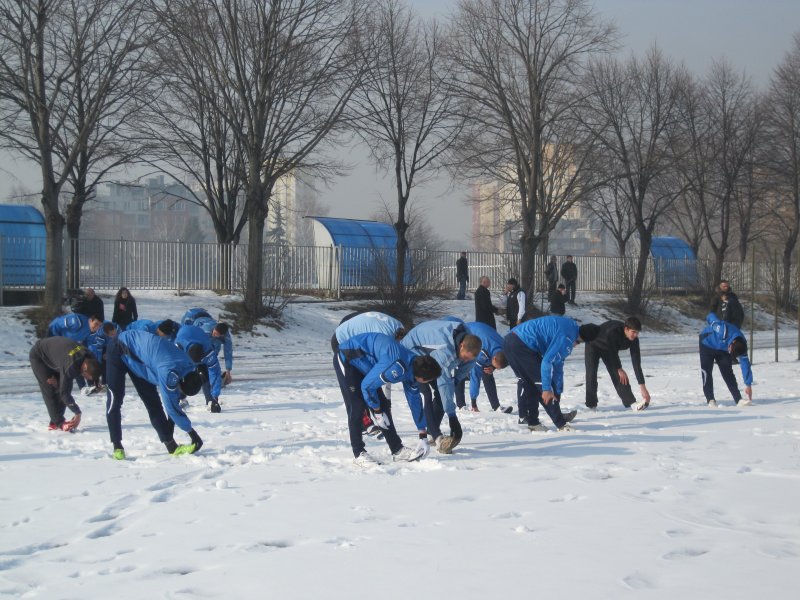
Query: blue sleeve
{"points": [[747, 369], [214, 373], [228, 350], [415, 404], [553, 367], [382, 372], [170, 398], [475, 376], [447, 391]]}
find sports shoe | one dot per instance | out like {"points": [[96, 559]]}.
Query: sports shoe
{"points": [[639, 406], [119, 454], [505, 409], [745, 402], [184, 404], [185, 449], [567, 427], [372, 430], [53, 427], [569, 415], [365, 459], [523, 421], [474, 408], [537, 427], [446, 443], [215, 407], [405, 455], [591, 408], [712, 403]]}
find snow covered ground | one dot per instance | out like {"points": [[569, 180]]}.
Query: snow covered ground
{"points": [[678, 501]]}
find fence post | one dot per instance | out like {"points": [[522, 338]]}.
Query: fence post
{"points": [[338, 271], [776, 291], [178, 250], [752, 304], [121, 263]]}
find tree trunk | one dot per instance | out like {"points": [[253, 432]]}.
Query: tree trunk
{"points": [[54, 263], [529, 244], [636, 293], [786, 261], [400, 263], [257, 199], [74, 215]]}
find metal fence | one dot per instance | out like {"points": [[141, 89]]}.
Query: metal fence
{"points": [[110, 264]]}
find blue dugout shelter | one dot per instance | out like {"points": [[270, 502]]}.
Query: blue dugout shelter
{"points": [[23, 246], [674, 262], [368, 249]]}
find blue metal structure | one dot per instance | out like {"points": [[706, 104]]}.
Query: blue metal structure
{"points": [[23, 246], [368, 250], [675, 264]]}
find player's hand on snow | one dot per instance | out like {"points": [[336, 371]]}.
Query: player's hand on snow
{"points": [[547, 396], [72, 423], [748, 390], [623, 376], [226, 377], [380, 418], [423, 447], [645, 393]]}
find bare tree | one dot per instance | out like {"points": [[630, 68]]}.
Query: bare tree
{"points": [[283, 72], [65, 67], [635, 107], [720, 128], [403, 108], [517, 64], [783, 157]]}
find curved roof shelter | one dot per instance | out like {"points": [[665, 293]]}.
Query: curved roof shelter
{"points": [[353, 233], [674, 261]]}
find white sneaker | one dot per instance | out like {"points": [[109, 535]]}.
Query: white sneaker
{"points": [[640, 405], [405, 455], [744, 402], [712, 403], [537, 427], [365, 459], [567, 427]]}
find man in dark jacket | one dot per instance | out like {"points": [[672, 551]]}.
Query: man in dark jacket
{"points": [[558, 299], [569, 273], [613, 337], [726, 305], [515, 303], [56, 362], [90, 304], [462, 276], [551, 274], [484, 309]]}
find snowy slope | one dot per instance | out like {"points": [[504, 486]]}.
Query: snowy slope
{"points": [[680, 500]]}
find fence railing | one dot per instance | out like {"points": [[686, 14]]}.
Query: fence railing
{"points": [[110, 264]]}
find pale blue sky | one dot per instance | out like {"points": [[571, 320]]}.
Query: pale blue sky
{"points": [[752, 34]]}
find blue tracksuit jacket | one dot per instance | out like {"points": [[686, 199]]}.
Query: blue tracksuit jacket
{"points": [[148, 326], [718, 335], [191, 335], [368, 322], [73, 326], [491, 344], [440, 339], [191, 315], [382, 360], [97, 341], [163, 364], [207, 324], [553, 338]]}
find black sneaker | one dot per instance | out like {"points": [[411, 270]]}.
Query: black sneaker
{"points": [[569, 415], [522, 421], [505, 409], [215, 407]]}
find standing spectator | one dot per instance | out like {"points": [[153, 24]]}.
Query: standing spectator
{"points": [[551, 274], [90, 304], [726, 305], [56, 363], [484, 309], [558, 300], [124, 309], [613, 337], [515, 303], [569, 273], [720, 343], [462, 276], [536, 351]]}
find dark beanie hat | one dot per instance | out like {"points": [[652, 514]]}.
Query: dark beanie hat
{"points": [[588, 332], [191, 383], [167, 326]]}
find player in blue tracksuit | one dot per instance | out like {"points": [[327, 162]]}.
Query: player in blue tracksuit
{"points": [[455, 349], [720, 342], [155, 365], [197, 345], [165, 328], [74, 326], [220, 335], [490, 358], [368, 361], [97, 343], [191, 315], [536, 351]]}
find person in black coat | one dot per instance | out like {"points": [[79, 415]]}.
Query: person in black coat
{"points": [[558, 300], [484, 309], [124, 309], [515, 303], [462, 276], [613, 337], [569, 273], [551, 274], [726, 305], [90, 305]]}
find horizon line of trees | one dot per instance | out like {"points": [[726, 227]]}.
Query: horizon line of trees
{"points": [[232, 95]]}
